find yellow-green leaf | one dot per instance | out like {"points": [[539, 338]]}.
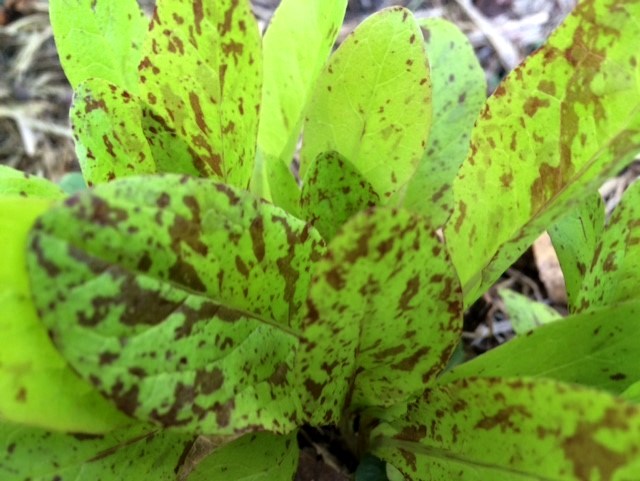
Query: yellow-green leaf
{"points": [[526, 314], [16, 183]]}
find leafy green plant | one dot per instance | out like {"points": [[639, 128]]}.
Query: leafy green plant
{"points": [[190, 312]]}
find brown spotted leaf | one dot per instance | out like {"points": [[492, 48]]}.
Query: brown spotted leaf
{"points": [[514, 430], [173, 296], [16, 183], [383, 314], [559, 125], [201, 78]]}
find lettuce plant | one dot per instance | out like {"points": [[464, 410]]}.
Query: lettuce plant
{"points": [[199, 304]]}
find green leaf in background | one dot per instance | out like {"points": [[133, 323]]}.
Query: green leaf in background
{"points": [[128, 454], [107, 128], [574, 239], [174, 297], [384, 305], [514, 430], [72, 183], [99, 39], [36, 385], [459, 91], [332, 192], [253, 457], [372, 103], [296, 47], [632, 393], [561, 123], [526, 314], [201, 76], [17, 183], [599, 349]]}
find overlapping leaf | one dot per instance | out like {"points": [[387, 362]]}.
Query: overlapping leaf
{"points": [[174, 297], [562, 122], [201, 77], [514, 429], [372, 103], [16, 183], [99, 39], [526, 314], [384, 305]]}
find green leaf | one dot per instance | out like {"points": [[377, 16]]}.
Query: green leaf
{"points": [[253, 457], [332, 192], [561, 123], [384, 305], [99, 39], [16, 183], [525, 314], [174, 296], [201, 76], [632, 393], [274, 181], [72, 183], [459, 91], [36, 385], [128, 454], [110, 142], [574, 238], [599, 349], [514, 429], [372, 103]]}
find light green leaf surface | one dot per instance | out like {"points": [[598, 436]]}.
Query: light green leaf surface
{"points": [[561, 123], [599, 349], [72, 183], [333, 191], [36, 385], [372, 103], [514, 430], [384, 305], [201, 77], [174, 295], [632, 393], [129, 454], [16, 183], [253, 457], [459, 91], [99, 39], [526, 314], [107, 127]]}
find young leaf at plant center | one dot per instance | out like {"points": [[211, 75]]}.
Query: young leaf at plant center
{"points": [[599, 349], [514, 429], [107, 127], [459, 91], [181, 283], [134, 453], [560, 124], [99, 39], [333, 191], [16, 183], [372, 103], [253, 457], [37, 387], [384, 304], [201, 76], [296, 46], [574, 239], [526, 314], [274, 181]]}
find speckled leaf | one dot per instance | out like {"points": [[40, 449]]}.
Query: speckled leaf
{"points": [[14, 182], [296, 47], [459, 91], [36, 385], [107, 128], [333, 191], [372, 103], [561, 123], [253, 457], [599, 349], [130, 454], [181, 283], [201, 76], [574, 239], [99, 39], [526, 314], [384, 305], [514, 430]]}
